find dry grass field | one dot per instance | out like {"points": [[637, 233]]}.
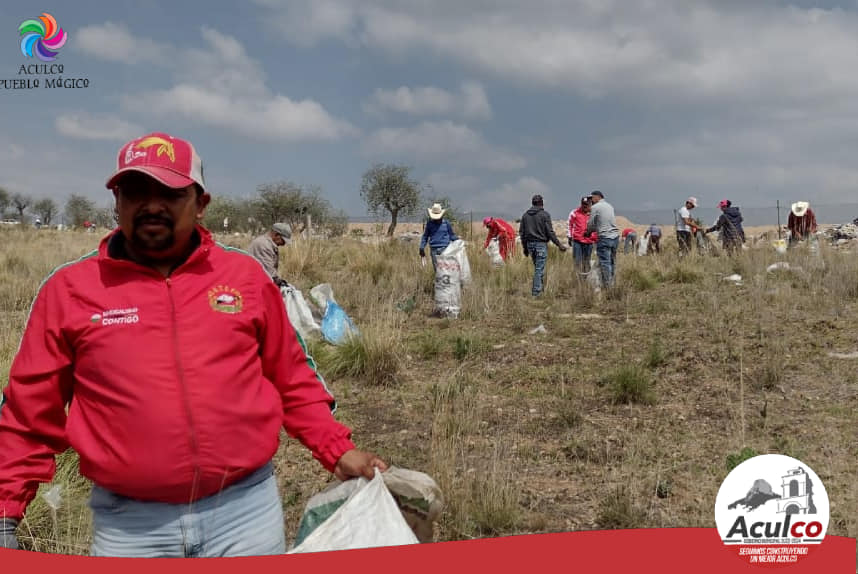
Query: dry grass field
{"points": [[628, 412]]}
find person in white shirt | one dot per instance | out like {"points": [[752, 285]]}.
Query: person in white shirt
{"points": [[685, 226]]}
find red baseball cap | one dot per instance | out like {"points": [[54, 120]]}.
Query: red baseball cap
{"points": [[170, 160]]}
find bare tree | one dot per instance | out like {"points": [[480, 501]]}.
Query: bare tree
{"points": [[21, 202], [46, 209], [389, 188], [4, 200], [79, 209]]}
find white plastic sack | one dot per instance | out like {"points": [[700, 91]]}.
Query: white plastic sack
{"points": [[300, 313], [494, 252], [594, 277], [369, 518], [642, 246], [448, 285], [456, 250], [321, 294]]}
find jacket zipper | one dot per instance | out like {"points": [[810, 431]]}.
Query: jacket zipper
{"points": [[185, 396]]}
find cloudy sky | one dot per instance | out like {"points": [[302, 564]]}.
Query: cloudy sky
{"points": [[490, 101]]}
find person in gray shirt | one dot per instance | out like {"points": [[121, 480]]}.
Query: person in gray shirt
{"points": [[603, 223], [265, 250]]}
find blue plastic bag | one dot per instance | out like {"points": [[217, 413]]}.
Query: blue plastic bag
{"points": [[336, 325]]}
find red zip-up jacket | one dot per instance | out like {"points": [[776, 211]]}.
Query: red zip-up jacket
{"points": [[578, 225], [176, 387]]}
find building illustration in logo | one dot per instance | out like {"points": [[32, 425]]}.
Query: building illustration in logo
{"points": [[797, 493], [225, 299], [42, 38]]}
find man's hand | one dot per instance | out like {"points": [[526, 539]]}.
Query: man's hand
{"points": [[422, 252], [7, 533], [356, 463]]}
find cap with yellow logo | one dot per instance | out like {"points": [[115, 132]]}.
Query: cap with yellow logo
{"points": [[170, 160]]}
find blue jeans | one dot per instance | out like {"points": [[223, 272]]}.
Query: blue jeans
{"points": [[606, 250], [244, 519], [434, 252], [581, 253], [538, 251], [631, 239]]}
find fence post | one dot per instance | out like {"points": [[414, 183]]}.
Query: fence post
{"points": [[779, 218]]}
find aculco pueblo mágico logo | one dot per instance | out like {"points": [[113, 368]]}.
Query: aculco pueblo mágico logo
{"points": [[773, 509]]}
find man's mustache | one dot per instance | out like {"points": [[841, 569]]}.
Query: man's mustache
{"points": [[144, 219]]}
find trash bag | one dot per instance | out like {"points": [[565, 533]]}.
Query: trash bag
{"points": [[300, 313], [594, 277], [448, 285], [365, 515], [643, 246], [321, 294], [494, 252], [456, 250], [337, 326], [416, 495]]}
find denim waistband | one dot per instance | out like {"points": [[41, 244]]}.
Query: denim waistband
{"points": [[255, 477]]}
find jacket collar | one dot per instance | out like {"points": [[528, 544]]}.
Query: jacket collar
{"points": [[111, 248]]}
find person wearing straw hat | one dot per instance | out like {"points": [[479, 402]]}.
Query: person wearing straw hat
{"points": [[437, 233], [801, 222]]}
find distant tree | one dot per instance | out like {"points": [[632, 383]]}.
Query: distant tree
{"points": [[4, 200], [21, 202], [79, 209], [46, 209], [103, 217], [337, 224], [388, 188], [284, 201]]}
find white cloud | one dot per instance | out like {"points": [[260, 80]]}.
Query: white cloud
{"points": [[510, 197], [306, 22], [86, 126], [115, 43], [217, 84], [661, 48], [472, 102], [273, 118], [442, 141]]}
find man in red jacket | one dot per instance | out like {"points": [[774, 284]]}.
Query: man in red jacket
{"points": [[505, 234], [178, 365]]}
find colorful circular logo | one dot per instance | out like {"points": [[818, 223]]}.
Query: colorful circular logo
{"points": [[772, 509], [42, 38]]}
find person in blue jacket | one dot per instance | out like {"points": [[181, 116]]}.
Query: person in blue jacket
{"points": [[438, 233]]}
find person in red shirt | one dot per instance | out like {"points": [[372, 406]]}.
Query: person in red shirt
{"points": [[801, 222], [168, 363], [505, 234], [631, 237], [582, 244]]}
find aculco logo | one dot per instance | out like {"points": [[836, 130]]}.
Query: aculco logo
{"points": [[117, 317], [772, 509]]}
